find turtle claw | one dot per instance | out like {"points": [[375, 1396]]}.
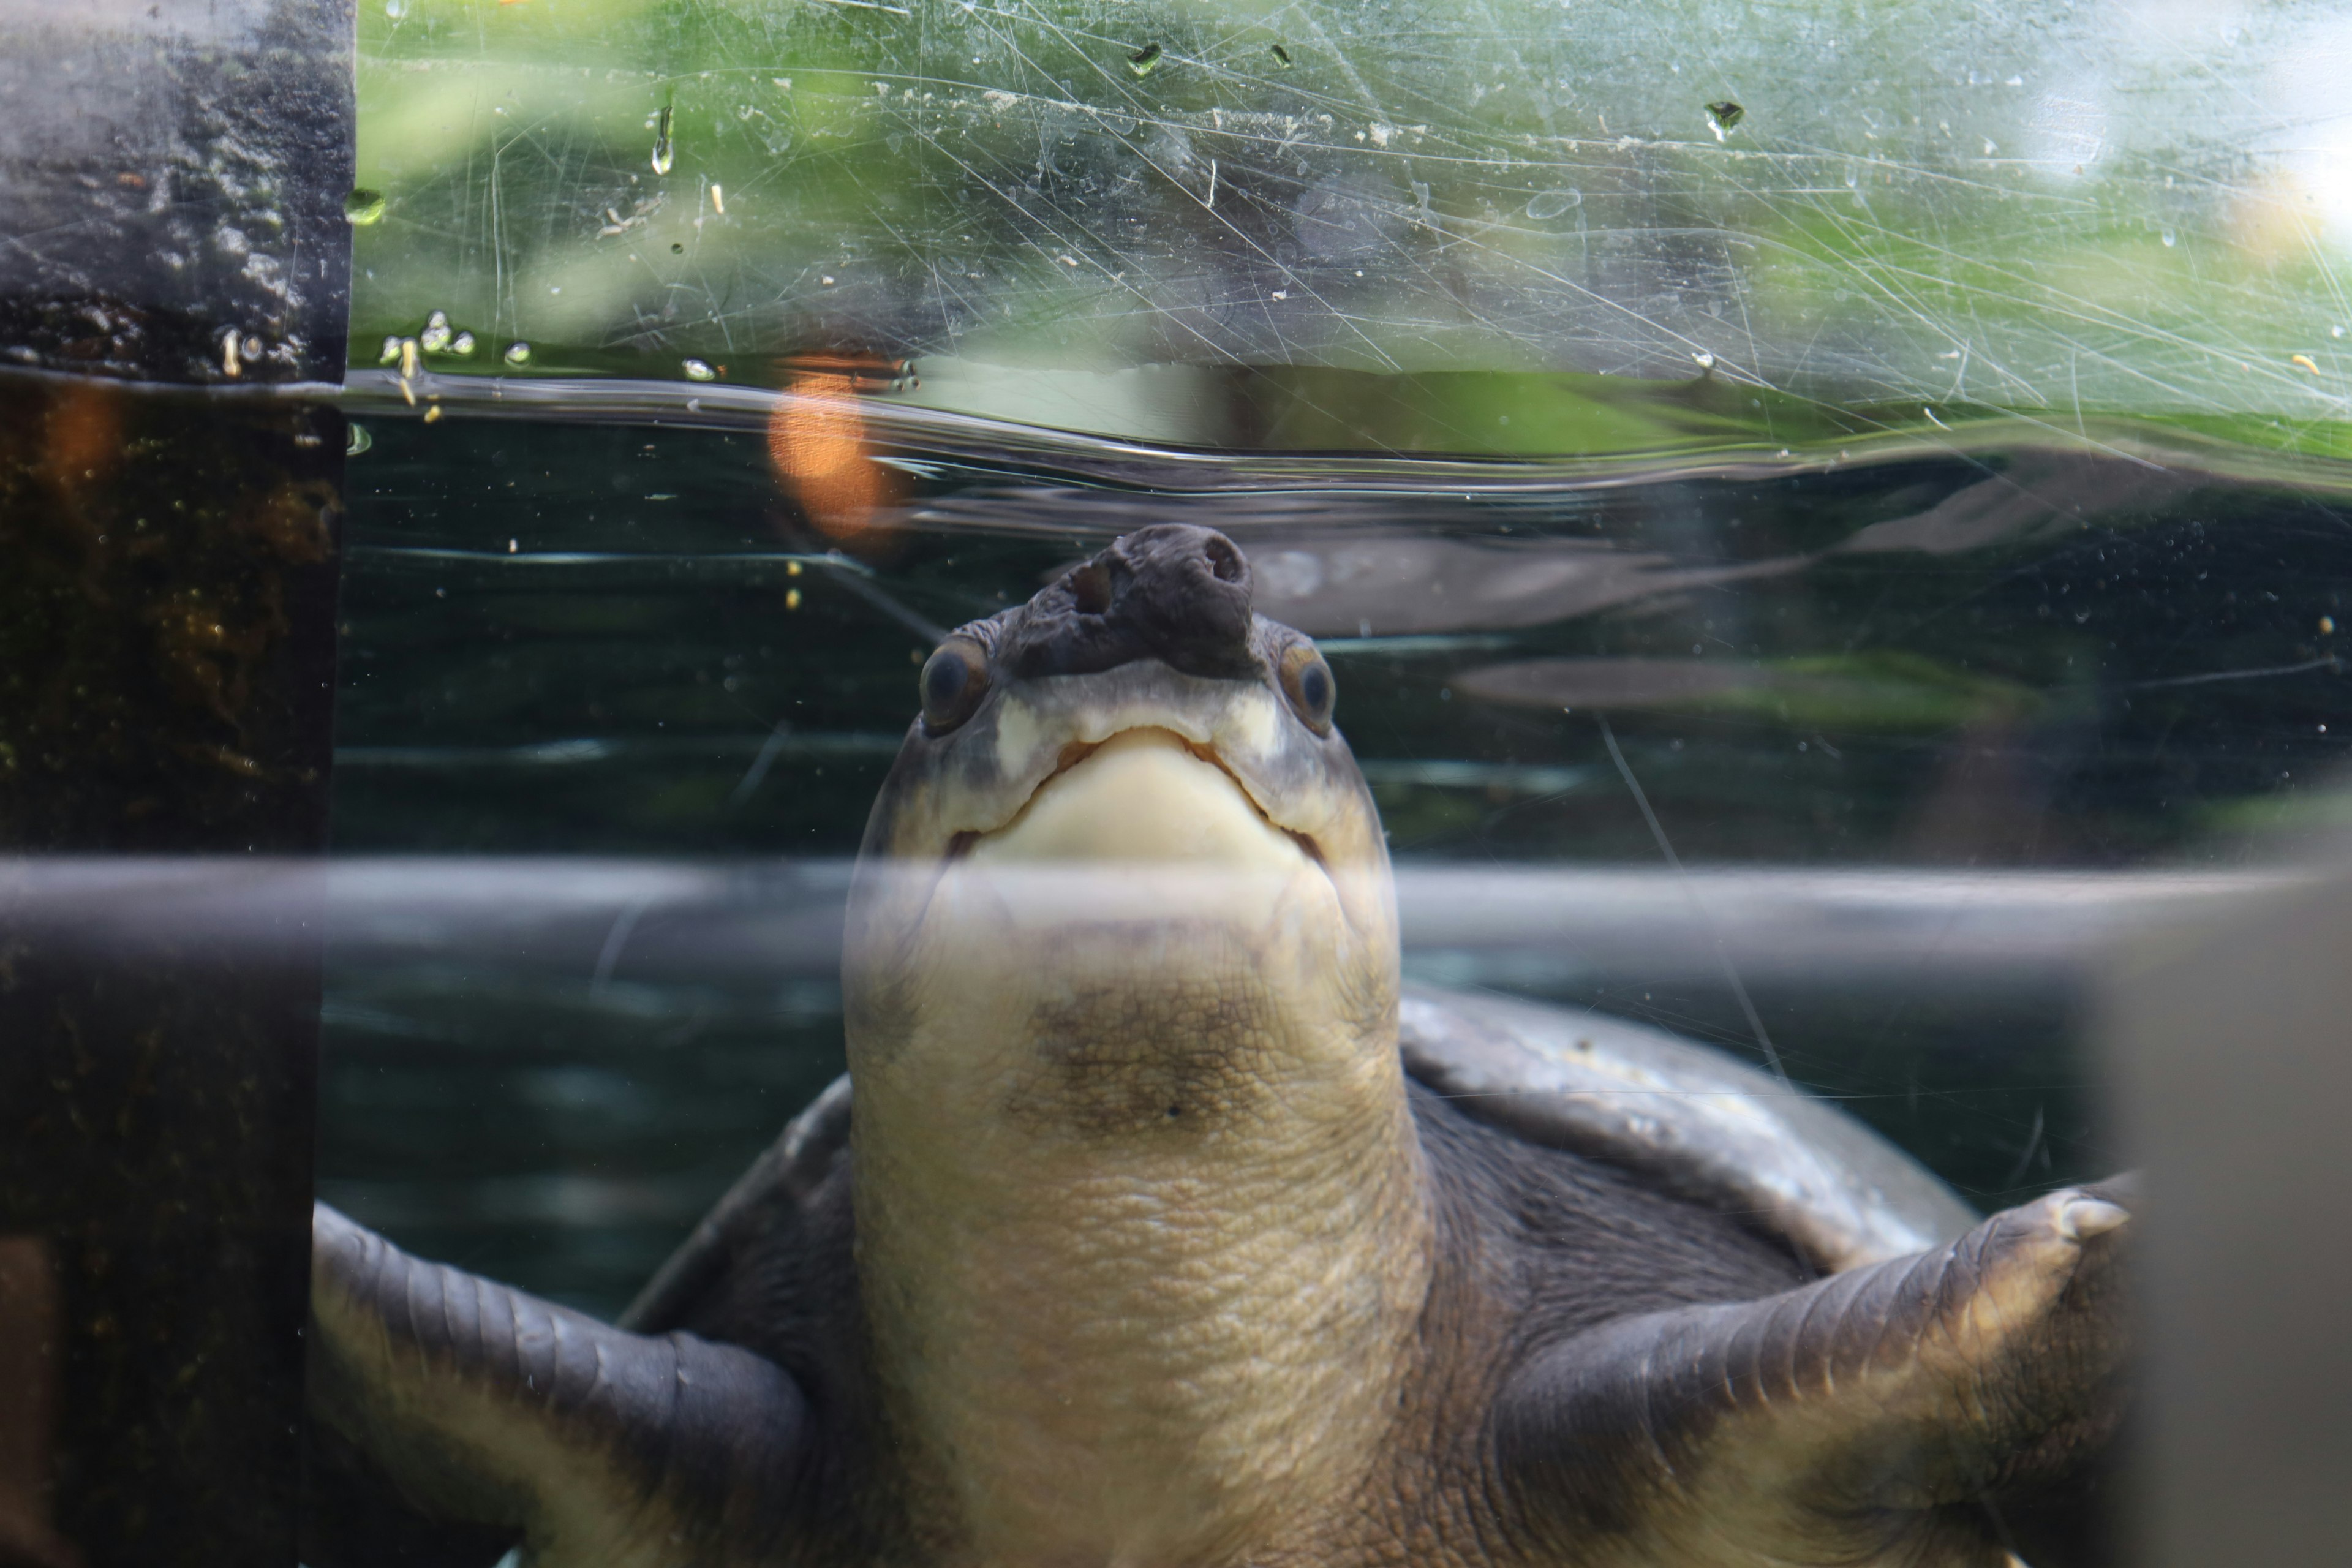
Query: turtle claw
{"points": [[2082, 1218], [1873, 1416]]}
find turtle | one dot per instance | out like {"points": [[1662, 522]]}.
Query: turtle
{"points": [[1157, 1223]]}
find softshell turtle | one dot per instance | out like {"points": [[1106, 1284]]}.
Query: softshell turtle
{"points": [[1169, 1229]]}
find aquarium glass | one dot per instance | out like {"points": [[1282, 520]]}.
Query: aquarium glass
{"points": [[1829, 519], [1821, 515]]}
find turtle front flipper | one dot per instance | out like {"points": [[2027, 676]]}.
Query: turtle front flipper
{"points": [[1878, 1416], [488, 1406]]}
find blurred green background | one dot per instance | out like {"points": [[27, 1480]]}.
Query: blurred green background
{"points": [[1150, 218]]}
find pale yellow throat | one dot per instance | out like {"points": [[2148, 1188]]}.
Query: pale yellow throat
{"points": [[1142, 795], [1141, 828]]}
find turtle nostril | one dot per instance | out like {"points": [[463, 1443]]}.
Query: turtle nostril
{"points": [[1171, 591], [1090, 588]]}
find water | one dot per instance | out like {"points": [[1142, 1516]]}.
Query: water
{"points": [[1924, 725]]}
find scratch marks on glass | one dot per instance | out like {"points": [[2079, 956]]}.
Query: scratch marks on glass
{"points": [[1714, 933], [1082, 184]]}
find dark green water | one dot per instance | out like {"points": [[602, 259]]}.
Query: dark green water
{"points": [[619, 653]]}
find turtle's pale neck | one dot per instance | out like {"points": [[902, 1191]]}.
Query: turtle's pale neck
{"points": [[1143, 1238]]}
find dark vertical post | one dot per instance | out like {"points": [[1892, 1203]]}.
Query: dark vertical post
{"points": [[174, 295]]}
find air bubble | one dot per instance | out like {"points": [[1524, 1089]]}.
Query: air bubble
{"points": [[1145, 60], [697, 369], [1282, 57], [363, 206], [391, 353], [436, 335], [395, 9], [2169, 238], [518, 354], [463, 344], [663, 153], [356, 440], [1551, 204]]}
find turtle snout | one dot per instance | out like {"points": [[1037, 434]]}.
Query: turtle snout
{"points": [[1174, 592], [1182, 591]]}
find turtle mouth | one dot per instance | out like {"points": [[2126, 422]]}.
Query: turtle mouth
{"points": [[1142, 795]]}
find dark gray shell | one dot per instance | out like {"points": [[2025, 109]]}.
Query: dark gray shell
{"points": [[1689, 1119]]}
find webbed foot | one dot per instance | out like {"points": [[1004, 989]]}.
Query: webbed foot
{"points": [[1879, 1415]]}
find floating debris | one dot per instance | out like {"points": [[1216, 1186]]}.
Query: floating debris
{"points": [[433, 415], [390, 354], [462, 344], [1725, 114], [719, 201], [1282, 57], [356, 440], [2303, 362], [663, 153], [791, 598], [436, 336], [1145, 60], [229, 362], [518, 354], [408, 359], [1551, 204], [363, 206], [697, 369]]}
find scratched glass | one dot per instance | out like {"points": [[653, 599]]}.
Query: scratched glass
{"points": [[1824, 517], [1857, 218], [1915, 434]]}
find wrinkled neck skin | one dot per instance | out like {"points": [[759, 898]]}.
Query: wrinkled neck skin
{"points": [[1143, 1226]]}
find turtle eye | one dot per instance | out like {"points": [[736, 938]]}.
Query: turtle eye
{"points": [[955, 678], [1306, 681]]}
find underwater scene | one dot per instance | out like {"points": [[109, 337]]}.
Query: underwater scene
{"points": [[1820, 517], [577, 569], [1848, 769]]}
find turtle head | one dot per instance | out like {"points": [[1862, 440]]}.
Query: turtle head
{"points": [[1125, 866]]}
